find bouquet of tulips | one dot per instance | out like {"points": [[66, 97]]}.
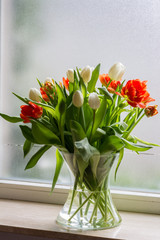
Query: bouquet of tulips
{"points": [[76, 116]]}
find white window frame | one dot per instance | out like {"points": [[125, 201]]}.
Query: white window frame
{"points": [[39, 192]]}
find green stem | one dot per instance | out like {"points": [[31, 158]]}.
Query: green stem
{"points": [[105, 205], [105, 196], [109, 204], [73, 194], [61, 132], [94, 114], [87, 208], [95, 207], [101, 207], [80, 207], [126, 136], [80, 202], [113, 116], [83, 118], [115, 112]]}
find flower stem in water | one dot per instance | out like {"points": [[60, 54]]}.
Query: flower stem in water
{"points": [[80, 207]]}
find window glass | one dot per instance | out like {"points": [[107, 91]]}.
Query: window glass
{"points": [[43, 38]]}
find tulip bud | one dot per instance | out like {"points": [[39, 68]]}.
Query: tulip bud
{"points": [[150, 111], [94, 101], [86, 74], [70, 75], [48, 79], [77, 99], [116, 71], [34, 95]]}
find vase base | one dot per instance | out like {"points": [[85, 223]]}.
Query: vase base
{"points": [[82, 224]]}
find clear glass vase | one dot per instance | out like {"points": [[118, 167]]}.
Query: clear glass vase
{"points": [[89, 205]]}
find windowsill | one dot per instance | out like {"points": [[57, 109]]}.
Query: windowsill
{"points": [[39, 219]]}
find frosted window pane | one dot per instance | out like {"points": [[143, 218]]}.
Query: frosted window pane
{"points": [[42, 38]]}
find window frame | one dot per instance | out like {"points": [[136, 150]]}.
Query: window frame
{"points": [[131, 201]]}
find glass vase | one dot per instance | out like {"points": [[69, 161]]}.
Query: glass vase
{"points": [[89, 205]]}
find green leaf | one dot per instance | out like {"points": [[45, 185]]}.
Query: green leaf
{"points": [[94, 78], [94, 160], [40, 84], [43, 135], [60, 92], [119, 127], [135, 147], [27, 133], [77, 131], [106, 93], [11, 119], [70, 87], [130, 138], [85, 154], [27, 147], [69, 100], [146, 143], [122, 125], [82, 85], [104, 166], [109, 131], [121, 153], [98, 134], [25, 100], [76, 82], [71, 114], [111, 143], [88, 114], [60, 106], [34, 159], [59, 164], [100, 114], [50, 125]]}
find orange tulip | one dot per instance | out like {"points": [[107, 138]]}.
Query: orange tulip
{"points": [[66, 83], [105, 79], [44, 95], [47, 89]]}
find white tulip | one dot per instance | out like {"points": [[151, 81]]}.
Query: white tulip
{"points": [[70, 75], [48, 79], [94, 101], [86, 74], [116, 71], [34, 94], [77, 99]]}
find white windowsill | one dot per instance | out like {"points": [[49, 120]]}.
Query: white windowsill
{"points": [[39, 219]]}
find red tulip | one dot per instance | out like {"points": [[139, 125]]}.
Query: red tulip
{"points": [[136, 94], [30, 111], [105, 79]]}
